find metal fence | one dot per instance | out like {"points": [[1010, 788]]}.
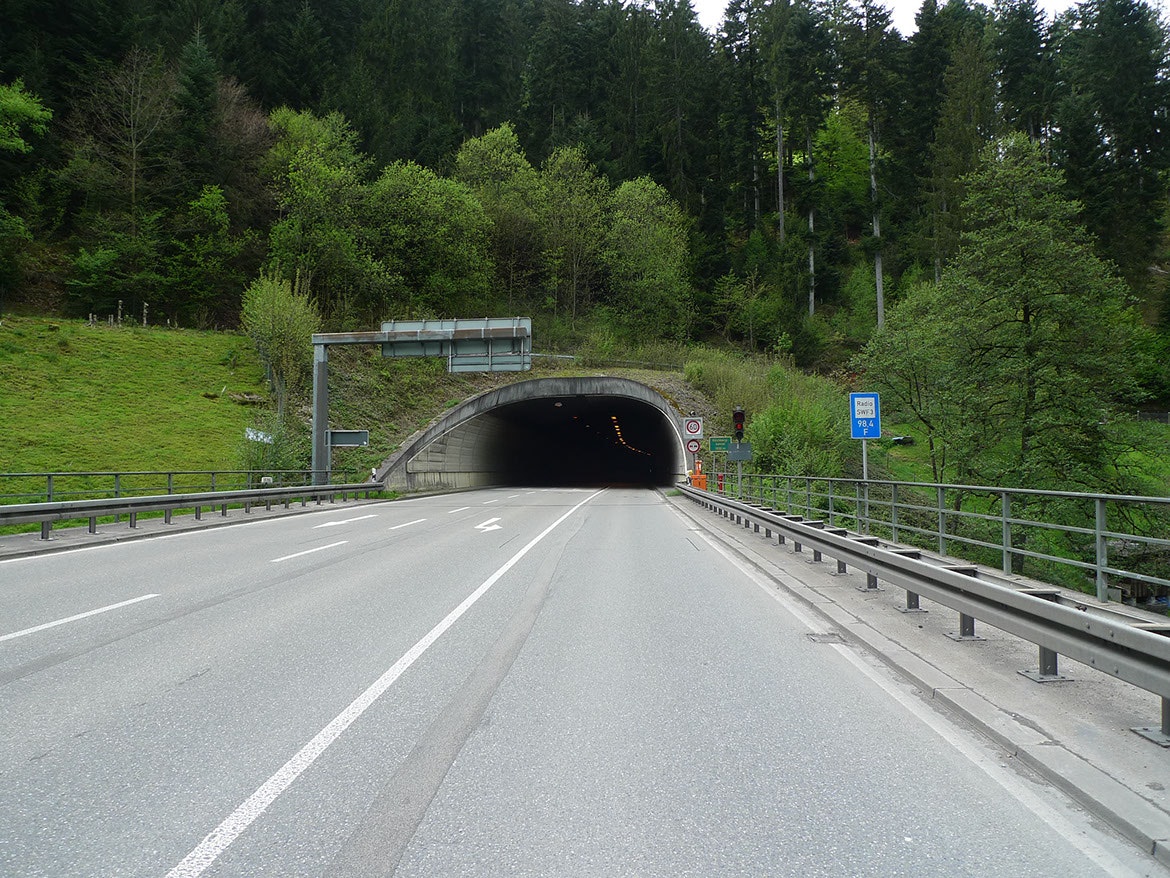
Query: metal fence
{"points": [[1113, 545], [64, 486]]}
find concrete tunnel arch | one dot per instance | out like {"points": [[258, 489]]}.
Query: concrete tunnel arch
{"points": [[546, 432]]}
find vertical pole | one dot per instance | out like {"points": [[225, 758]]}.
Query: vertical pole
{"points": [[739, 480], [320, 413], [1099, 530], [942, 521], [894, 512], [1005, 505]]}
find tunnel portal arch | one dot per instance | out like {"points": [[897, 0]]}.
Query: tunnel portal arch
{"points": [[547, 431]]}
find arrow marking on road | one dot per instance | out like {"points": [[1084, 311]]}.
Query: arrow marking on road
{"points": [[490, 524]]}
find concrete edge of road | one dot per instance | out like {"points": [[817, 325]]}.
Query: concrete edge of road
{"points": [[1107, 797]]}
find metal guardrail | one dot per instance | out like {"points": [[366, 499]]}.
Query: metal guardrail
{"points": [[47, 514], [1098, 636], [55, 486], [1117, 543]]}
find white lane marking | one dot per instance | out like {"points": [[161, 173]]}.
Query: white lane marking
{"points": [[408, 524], [945, 729], [490, 524], [486, 502], [310, 551], [220, 838], [344, 521], [460, 509], [36, 628], [513, 496]]}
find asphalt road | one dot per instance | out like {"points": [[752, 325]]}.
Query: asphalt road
{"points": [[506, 682]]}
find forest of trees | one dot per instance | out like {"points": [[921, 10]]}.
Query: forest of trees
{"points": [[780, 185]]}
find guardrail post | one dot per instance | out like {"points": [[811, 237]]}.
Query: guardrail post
{"points": [[1047, 672], [1159, 736], [134, 519], [1099, 530]]}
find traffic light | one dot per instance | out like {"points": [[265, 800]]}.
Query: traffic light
{"points": [[737, 418]]}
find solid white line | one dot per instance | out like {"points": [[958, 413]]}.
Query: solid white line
{"points": [[944, 728], [311, 551], [218, 840], [460, 509], [409, 523], [34, 630], [345, 521]]}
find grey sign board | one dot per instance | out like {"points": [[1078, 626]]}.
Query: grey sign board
{"points": [[349, 438], [490, 344], [741, 451]]}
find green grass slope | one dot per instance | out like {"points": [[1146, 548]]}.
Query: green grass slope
{"points": [[80, 398]]}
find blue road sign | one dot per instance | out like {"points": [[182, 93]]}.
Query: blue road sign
{"points": [[865, 416]]}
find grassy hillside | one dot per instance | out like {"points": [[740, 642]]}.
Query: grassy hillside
{"points": [[81, 398]]}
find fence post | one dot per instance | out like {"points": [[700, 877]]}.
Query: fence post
{"points": [[831, 503], [1005, 507], [1099, 530], [942, 521], [894, 512], [49, 488]]}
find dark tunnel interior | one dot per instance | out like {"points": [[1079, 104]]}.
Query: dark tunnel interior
{"points": [[584, 440]]}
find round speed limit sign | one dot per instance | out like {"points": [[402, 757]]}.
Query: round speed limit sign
{"points": [[693, 427], [693, 446]]}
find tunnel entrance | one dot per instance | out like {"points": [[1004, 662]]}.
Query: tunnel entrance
{"points": [[584, 440], [547, 432]]}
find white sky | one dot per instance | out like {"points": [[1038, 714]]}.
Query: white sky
{"points": [[710, 12]]}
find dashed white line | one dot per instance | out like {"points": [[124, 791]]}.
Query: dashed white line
{"points": [[460, 509], [220, 838], [486, 502], [310, 551], [86, 615], [345, 521], [408, 524]]}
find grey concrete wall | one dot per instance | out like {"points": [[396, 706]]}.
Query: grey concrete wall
{"points": [[453, 451]]}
